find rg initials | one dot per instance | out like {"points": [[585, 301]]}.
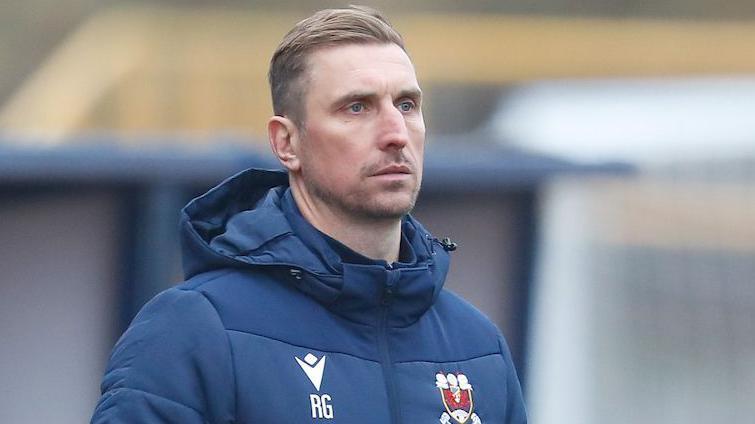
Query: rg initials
{"points": [[321, 407]]}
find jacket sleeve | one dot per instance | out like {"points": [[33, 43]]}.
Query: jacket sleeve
{"points": [[516, 412], [172, 365]]}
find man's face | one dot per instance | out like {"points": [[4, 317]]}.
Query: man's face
{"points": [[362, 140]]}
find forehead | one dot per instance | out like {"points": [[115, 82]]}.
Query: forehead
{"points": [[343, 68]]}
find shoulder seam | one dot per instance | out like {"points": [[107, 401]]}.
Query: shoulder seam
{"points": [[229, 330], [199, 284]]}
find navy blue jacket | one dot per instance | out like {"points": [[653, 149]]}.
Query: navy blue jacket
{"points": [[278, 323]]}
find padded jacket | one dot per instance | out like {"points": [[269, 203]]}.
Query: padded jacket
{"points": [[278, 323]]}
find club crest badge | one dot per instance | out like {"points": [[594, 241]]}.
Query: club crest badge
{"points": [[456, 393]]}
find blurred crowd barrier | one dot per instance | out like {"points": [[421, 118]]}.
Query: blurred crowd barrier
{"points": [[645, 300]]}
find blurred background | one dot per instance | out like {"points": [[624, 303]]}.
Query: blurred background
{"points": [[595, 160]]}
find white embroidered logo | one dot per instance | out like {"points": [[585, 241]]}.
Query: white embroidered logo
{"points": [[321, 405], [313, 367]]}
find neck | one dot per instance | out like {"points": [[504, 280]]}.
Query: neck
{"points": [[373, 238]]}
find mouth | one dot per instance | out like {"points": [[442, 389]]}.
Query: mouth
{"points": [[393, 170]]}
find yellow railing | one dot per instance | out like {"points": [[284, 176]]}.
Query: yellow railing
{"points": [[165, 69]]}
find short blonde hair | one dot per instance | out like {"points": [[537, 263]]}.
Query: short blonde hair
{"points": [[329, 27]]}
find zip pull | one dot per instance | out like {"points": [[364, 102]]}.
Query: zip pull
{"points": [[430, 241], [448, 245], [390, 286], [387, 296]]}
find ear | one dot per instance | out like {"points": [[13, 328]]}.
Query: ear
{"points": [[284, 141]]}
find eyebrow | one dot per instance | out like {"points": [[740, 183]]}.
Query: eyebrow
{"points": [[412, 93], [352, 96]]}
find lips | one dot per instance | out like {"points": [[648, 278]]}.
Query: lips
{"points": [[394, 169]]}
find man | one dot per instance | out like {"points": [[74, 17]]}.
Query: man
{"points": [[312, 295]]}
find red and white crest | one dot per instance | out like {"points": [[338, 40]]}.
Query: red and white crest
{"points": [[456, 393]]}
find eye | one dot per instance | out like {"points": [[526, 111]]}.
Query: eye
{"points": [[406, 106], [356, 107]]}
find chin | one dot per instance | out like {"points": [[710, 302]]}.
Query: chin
{"points": [[393, 208]]}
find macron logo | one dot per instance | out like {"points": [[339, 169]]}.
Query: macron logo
{"points": [[313, 367]]}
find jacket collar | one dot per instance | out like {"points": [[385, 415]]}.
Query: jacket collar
{"points": [[251, 220]]}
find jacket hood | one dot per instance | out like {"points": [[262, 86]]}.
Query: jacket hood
{"points": [[251, 220]]}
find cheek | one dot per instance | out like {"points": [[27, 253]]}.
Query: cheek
{"points": [[333, 161], [417, 135], [416, 126], [416, 122]]}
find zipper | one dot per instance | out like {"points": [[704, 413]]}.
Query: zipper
{"points": [[385, 354]]}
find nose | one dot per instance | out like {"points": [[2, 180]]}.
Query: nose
{"points": [[392, 132]]}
